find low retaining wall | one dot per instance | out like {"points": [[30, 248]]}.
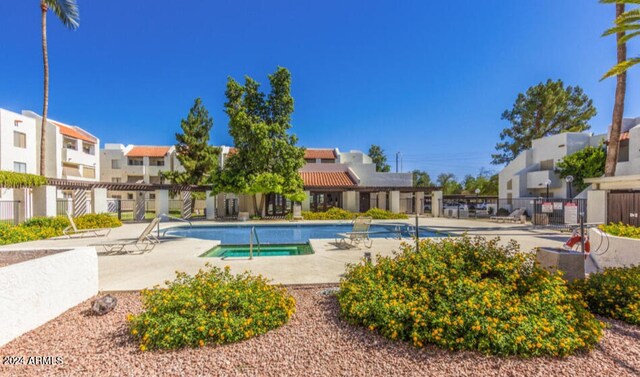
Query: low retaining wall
{"points": [[37, 290], [612, 251]]}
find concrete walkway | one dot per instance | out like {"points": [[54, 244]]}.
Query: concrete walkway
{"points": [[326, 265]]}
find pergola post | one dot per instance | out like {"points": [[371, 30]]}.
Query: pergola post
{"points": [[382, 200], [79, 198], [394, 201], [349, 201], [44, 201], [210, 205], [306, 203], [99, 200], [162, 202], [436, 203], [140, 209], [187, 209]]}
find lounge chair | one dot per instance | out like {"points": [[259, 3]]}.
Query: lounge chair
{"points": [[72, 230], [359, 234], [145, 242], [513, 216]]}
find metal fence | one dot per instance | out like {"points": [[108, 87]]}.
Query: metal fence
{"points": [[10, 212], [125, 208]]}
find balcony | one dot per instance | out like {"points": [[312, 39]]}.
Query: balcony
{"points": [[537, 179]]}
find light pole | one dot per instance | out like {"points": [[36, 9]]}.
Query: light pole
{"points": [[569, 180], [547, 183]]}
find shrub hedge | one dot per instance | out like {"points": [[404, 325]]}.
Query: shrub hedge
{"points": [[341, 214], [39, 228], [613, 293], [621, 230], [212, 307], [468, 294]]}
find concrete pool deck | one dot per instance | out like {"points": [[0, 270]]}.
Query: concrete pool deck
{"points": [[326, 265]]}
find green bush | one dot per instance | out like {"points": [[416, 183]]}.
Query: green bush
{"points": [[468, 294], [58, 222], [212, 307], [341, 214], [381, 214], [614, 293], [621, 230], [96, 221]]}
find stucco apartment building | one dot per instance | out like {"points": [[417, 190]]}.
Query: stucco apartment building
{"points": [[18, 149], [333, 178], [527, 175], [136, 164]]}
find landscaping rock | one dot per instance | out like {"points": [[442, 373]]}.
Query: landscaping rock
{"points": [[103, 305]]}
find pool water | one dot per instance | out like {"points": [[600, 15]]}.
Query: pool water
{"points": [[287, 234], [242, 251]]}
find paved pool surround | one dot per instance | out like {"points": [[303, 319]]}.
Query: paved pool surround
{"points": [[326, 265]]}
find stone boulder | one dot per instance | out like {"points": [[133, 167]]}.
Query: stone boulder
{"points": [[103, 305]]}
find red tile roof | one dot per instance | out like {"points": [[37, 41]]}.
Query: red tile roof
{"points": [[327, 179], [319, 153], [148, 151], [624, 136], [75, 132]]}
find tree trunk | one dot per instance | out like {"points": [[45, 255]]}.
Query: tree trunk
{"points": [[45, 106], [618, 107], [256, 210]]}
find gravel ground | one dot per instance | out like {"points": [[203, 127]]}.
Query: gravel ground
{"points": [[17, 256], [314, 343]]}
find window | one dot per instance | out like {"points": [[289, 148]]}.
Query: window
{"points": [[116, 180], [152, 196], [88, 148], [623, 151], [70, 170], [70, 143], [20, 167], [156, 161], [88, 172], [510, 184], [130, 196], [135, 162], [19, 139], [115, 164], [546, 165]]}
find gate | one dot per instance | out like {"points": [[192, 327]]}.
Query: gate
{"points": [[555, 211], [623, 207]]}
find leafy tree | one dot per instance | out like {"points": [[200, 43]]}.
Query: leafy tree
{"points": [[449, 184], [545, 109], [199, 159], [379, 158], [421, 179], [625, 21], [67, 11], [486, 182], [266, 159], [585, 163]]}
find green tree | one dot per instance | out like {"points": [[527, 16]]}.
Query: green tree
{"points": [[486, 182], [67, 12], [421, 179], [379, 158], [585, 163], [449, 184], [625, 21], [545, 109], [199, 159], [266, 159]]}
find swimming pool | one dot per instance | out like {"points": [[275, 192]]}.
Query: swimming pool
{"points": [[286, 234]]}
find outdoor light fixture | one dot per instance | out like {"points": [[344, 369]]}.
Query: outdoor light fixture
{"points": [[569, 180], [547, 183], [477, 191]]}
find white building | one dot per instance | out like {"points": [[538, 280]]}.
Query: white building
{"points": [[527, 175], [72, 153], [629, 152], [136, 164], [18, 150]]}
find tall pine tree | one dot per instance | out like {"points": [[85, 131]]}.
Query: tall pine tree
{"points": [[199, 159]]}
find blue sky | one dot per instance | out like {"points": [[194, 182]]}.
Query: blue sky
{"points": [[427, 79]]}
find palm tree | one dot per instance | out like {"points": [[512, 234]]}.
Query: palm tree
{"points": [[67, 12], [621, 87]]}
